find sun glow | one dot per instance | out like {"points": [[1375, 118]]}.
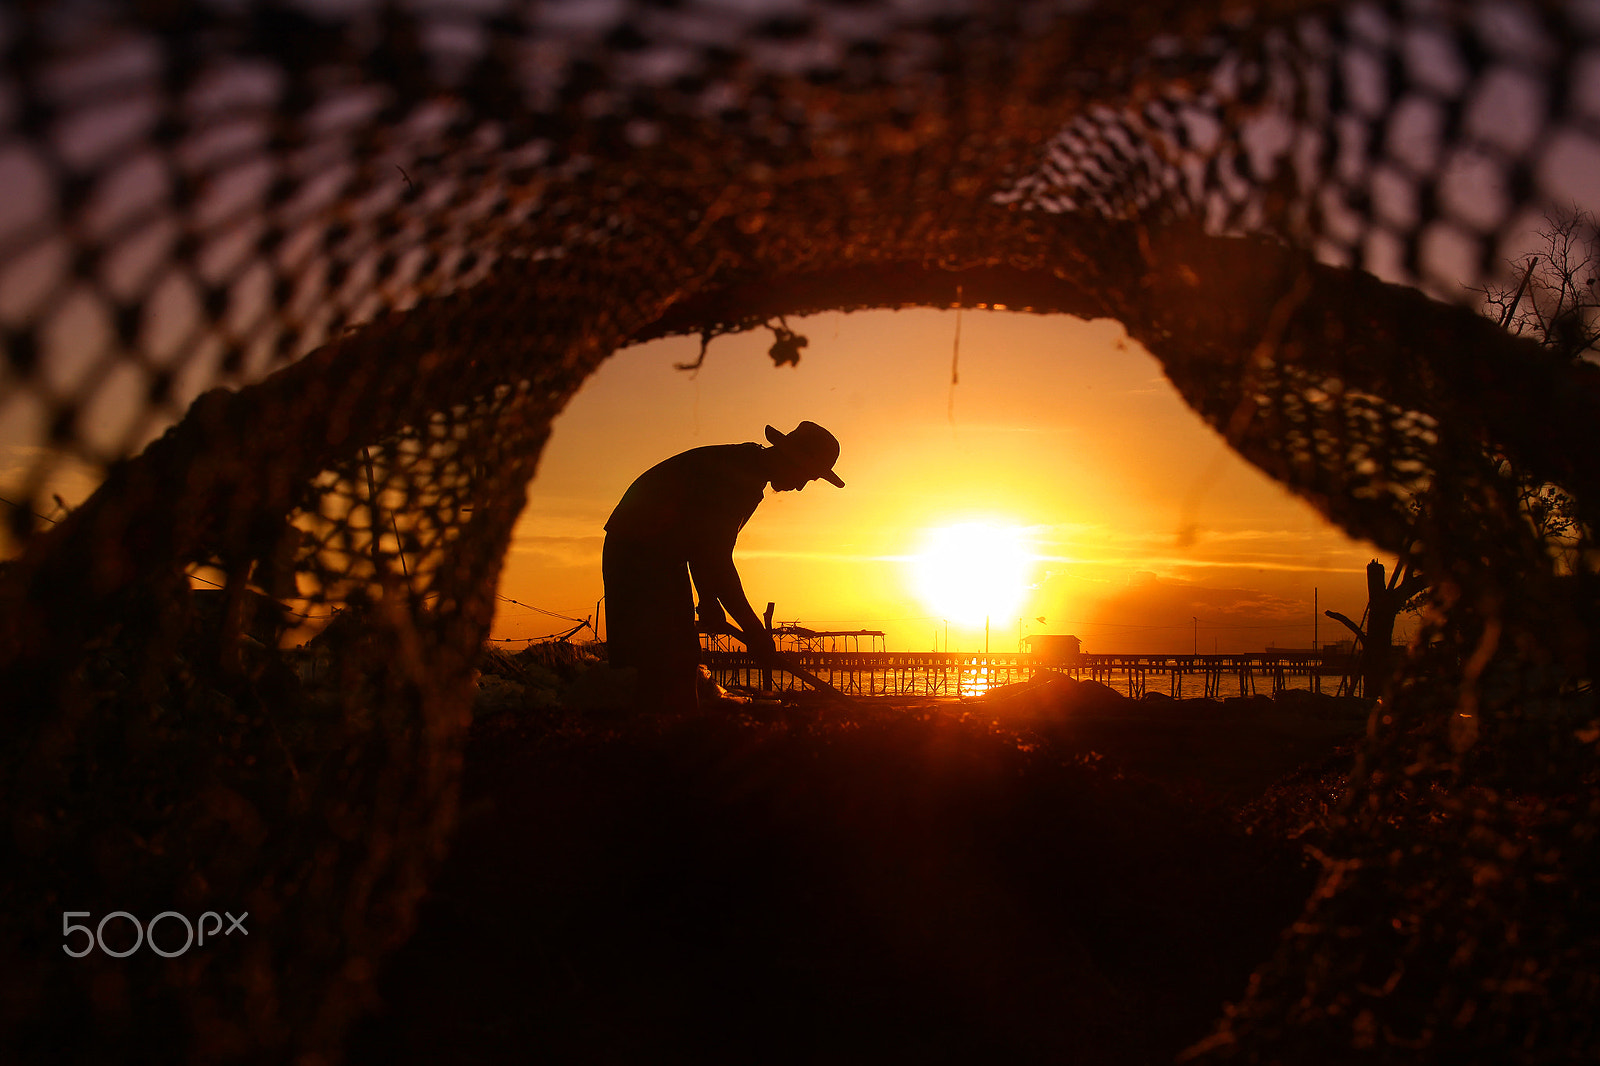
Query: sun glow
{"points": [[969, 572]]}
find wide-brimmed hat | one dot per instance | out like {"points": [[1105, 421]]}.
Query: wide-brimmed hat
{"points": [[812, 448]]}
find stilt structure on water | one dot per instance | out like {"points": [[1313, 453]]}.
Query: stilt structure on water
{"points": [[886, 673]]}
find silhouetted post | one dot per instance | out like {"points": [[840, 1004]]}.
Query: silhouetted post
{"points": [[375, 518], [1385, 600], [766, 668], [377, 522]]}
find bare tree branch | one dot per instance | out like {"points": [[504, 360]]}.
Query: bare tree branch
{"points": [[1361, 636]]}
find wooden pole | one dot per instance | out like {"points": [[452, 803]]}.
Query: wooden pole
{"points": [[376, 520], [766, 668]]}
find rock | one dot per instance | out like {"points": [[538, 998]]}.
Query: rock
{"points": [[1094, 693], [1048, 695]]}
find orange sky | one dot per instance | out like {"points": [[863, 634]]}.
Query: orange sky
{"points": [[1137, 518]]}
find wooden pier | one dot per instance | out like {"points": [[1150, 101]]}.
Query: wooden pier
{"points": [[956, 674]]}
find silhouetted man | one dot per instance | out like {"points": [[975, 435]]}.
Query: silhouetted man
{"points": [[682, 517]]}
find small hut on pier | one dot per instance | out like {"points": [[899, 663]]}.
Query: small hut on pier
{"points": [[1053, 650]]}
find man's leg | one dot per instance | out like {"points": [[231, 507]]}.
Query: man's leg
{"points": [[650, 614]]}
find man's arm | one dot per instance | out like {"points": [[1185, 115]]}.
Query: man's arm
{"points": [[717, 579]]}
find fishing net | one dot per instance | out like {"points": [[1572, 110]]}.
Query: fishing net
{"points": [[348, 260]]}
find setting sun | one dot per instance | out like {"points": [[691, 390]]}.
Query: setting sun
{"points": [[972, 571]]}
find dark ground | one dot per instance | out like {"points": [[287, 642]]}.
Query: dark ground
{"points": [[805, 885]]}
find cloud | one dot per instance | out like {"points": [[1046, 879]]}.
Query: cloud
{"points": [[72, 477], [559, 550], [1251, 562], [997, 427], [820, 556], [1180, 563], [1149, 599], [1285, 550]]}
